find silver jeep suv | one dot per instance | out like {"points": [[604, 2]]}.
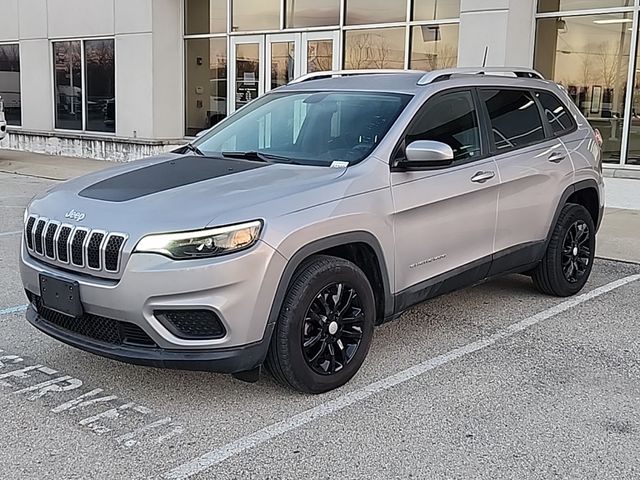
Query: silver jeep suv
{"points": [[285, 233]]}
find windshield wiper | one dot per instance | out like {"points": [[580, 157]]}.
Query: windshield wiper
{"points": [[257, 156], [192, 148]]}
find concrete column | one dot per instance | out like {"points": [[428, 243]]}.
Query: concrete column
{"points": [[506, 27], [36, 87]]}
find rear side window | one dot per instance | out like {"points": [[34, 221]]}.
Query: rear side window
{"points": [[515, 118], [450, 118], [556, 112]]}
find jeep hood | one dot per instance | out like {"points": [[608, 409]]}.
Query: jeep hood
{"points": [[185, 192]]}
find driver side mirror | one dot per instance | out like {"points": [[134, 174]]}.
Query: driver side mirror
{"points": [[426, 154]]}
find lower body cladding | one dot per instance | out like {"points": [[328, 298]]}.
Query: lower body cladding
{"points": [[208, 315]]}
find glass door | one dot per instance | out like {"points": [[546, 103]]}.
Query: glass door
{"points": [[247, 81], [260, 63], [320, 51], [283, 59]]}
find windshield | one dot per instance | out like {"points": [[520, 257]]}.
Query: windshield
{"points": [[312, 128]]}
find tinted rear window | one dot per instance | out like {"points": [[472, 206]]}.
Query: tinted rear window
{"points": [[515, 118], [556, 112]]}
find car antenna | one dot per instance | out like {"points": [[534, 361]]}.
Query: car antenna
{"points": [[486, 54]]}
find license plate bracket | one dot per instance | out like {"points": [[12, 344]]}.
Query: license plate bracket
{"points": [[60, 295]]}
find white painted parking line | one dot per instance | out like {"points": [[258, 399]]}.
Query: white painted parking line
{"points": [[219, 455], [10, 310], [6, 234]]}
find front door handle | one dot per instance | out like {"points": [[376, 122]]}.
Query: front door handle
{"points": [[482, 177], [557, 157]]}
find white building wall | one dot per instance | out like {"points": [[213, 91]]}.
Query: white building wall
{"points": [[148, 61], [505, 27]]}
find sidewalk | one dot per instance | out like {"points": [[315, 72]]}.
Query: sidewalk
{"points": [[619, 237]]}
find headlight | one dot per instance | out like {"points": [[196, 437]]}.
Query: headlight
{"points": [[25, 215], [202, 243]]}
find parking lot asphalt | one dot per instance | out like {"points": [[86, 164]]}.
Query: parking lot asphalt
{"points": [[495, 381]]}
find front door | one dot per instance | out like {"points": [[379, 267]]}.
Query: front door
{"points": [[260, 63], [445, 218]]}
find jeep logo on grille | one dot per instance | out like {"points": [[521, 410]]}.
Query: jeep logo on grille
{"points": [[74, 215]]}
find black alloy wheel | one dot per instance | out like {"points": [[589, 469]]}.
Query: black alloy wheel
{"points": [[332, 328], [576, 252]]}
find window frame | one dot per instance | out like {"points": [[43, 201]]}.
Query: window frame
{"points": [[396, 163], [83, 73], [552, 134], [493, 151], [10, 43]]}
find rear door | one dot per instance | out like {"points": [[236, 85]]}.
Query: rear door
{"points": [[444, 218], [534, 168]]}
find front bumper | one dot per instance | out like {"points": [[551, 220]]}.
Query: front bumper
{"points": [[221, 360], [238, 288]]}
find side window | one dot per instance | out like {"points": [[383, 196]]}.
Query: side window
{"points": [[515, 118], [450, 118], [556, 112]]}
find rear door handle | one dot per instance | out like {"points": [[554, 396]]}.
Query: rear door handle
{"points": [[557, 157], [482, 177]]}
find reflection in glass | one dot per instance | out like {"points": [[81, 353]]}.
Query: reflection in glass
{"points": [[100, 84], [10, 83], [312, 13], [362, 12], [247, 73], [319, 55], [68, 85], [206, 83], [589, 56], [251, 15], [205, 16], [282, 63], [434, 47], [435, 9], [633, 155], [374, 48], [565, 5]]}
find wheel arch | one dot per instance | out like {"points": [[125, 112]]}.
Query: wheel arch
{"points": [[585, 193], [359, 247]]}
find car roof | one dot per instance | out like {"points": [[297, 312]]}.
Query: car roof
{"points": [[412, 81], [391, 82]]}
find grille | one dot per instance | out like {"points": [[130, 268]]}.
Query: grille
{"points": [[49, 251], [191, 324], [38, 235], [95, 327], [78, 247], [63, 247], [112, 253], [29, 232], [93, 250]]}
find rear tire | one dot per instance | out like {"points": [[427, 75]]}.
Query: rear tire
{"points": [[567, 263], [325, 326]]}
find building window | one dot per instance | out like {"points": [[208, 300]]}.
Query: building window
{"points": [[311, 13], [250, 15], [374, 48], [546, 6], [434, 47], [364, 12], [435, 9], [100, 101], [205, 16], [10, 83], [84, 81], [206, 83], [589, 56]]}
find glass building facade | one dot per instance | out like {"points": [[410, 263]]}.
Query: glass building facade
{"points": [[236, 50]]}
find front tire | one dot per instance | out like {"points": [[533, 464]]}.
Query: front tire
{"points": [[325, 326], [568, 261]]}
